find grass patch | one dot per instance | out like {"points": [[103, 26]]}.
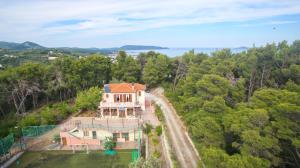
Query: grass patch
{"points": [[63, 159]]}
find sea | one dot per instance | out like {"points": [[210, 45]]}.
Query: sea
{"points": [[173, 52]]}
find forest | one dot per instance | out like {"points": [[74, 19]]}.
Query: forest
{"points": [[241, 109]]}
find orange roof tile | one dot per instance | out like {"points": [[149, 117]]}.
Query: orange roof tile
{"points": [[125, 87]]}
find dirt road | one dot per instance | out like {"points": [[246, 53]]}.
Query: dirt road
{"points": [[186, 153]]}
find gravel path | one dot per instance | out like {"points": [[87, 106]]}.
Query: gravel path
{"points": [[186, 153]]}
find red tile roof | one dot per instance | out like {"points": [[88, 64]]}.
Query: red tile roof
{"points": [[125, 87]]}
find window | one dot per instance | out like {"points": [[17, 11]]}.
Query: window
{"points": [[125, 135], [106, 112], [127, 98], [122, 113], [116, 136], [130, 111], [114, 112], [117, 98], [123, 98], [85, 133], [94, 135]]}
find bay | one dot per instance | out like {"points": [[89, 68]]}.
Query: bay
{"points": [[173, 52]]}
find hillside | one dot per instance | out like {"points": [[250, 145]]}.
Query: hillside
{"points": [[20, 46]]}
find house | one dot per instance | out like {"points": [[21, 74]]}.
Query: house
{"points": [[52, 58], [118, 116], [124, 100], [92, 131]]}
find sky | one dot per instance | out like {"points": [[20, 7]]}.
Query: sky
{"points": [[168, 23]]}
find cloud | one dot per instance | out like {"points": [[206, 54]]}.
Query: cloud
{"points": [[34, 19], [274, 23]]}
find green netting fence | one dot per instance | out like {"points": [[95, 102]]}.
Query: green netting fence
{"points": [[34, 131], [110, 152], [134, 155], [6, 143]]}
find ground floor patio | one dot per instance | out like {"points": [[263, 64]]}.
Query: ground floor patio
{"points": [[119, 112]]}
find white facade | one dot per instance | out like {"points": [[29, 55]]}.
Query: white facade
{"points": [[122, 101], [102, 134], [137, 99]]}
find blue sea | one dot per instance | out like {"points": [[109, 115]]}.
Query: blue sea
{"points": [[173, 52]]}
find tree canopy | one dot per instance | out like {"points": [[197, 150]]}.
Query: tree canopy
{"points": [[241, 109]]}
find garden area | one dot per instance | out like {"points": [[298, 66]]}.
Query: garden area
{"points": [[57, 159]]}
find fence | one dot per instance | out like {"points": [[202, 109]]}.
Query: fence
{"points": [[9, 146], [34, 131], [6, 143]]}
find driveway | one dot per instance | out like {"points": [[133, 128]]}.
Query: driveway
{"points": [[148, 116], [184, 149]]}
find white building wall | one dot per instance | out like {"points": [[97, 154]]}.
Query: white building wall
{"points": [[110, 97], [101, 134], [131, 135], [141, 99]]}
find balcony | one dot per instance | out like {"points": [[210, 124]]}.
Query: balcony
{"points": [[119, 104]]}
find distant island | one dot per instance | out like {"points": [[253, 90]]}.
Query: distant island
{"points": [[141, 47], [31, 45]]}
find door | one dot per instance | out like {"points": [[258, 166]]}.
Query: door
{"points": [[122, 113], [94, 135], [64, 141]]}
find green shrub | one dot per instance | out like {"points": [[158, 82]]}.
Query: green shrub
{"points": [[7, 122], [151, 162], [88, 99], [63, 109], [158, 130], [159, 113], [156, 154], [155, 141], [48, 116], [109, 144], [29, 120], [56, 138], [147, 129]]}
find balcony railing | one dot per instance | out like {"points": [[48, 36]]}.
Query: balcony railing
{"points": [[99, 126], [119, 104]]}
